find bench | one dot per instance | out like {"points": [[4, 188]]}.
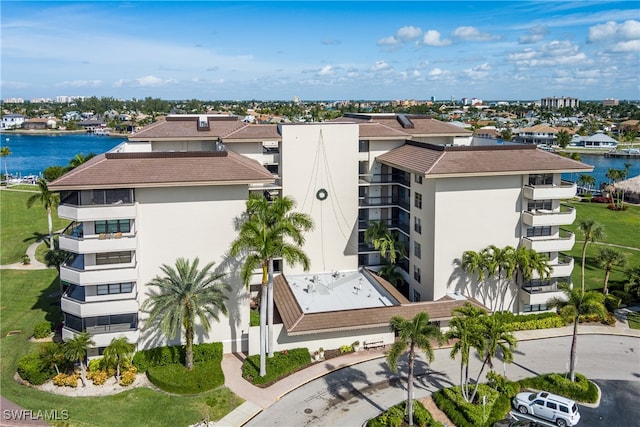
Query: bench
{"points": [[373, 344]]}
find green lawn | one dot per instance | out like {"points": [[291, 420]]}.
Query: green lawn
{"points": [[25, 300], [620, 228], [21, 226]]}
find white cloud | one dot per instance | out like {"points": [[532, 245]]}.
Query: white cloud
{"points": [[432, 38], [327, 70], [626, 46], [479, 72], [380, 66], [555, 53], [152, 81], [81, 83], [628, 30], [388, 41], [473, 34], [534, 35], [408, 33]]}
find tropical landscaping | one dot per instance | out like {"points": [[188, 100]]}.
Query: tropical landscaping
{"points": [[30, 298]]}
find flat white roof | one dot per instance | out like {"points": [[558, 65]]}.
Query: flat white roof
{"points": [[342, 290]]}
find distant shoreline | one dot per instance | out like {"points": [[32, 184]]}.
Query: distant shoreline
{"points": [[41, 132]]}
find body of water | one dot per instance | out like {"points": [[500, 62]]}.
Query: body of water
{"points": [[32, 154], [602, 164]]}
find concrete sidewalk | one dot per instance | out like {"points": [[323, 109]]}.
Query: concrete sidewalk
{"points": [[258, 399]]}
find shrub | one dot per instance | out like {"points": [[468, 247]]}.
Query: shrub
{"points": [[465, 414], [523, 322], [64, 380], [128, 376], [346, 349], [31, 369], [42, 330], [98, 377], [395, 416], [278, 366], [612, 302], [601, 199], [175, 378], [169, 355], [581, 390], [625, 297]]}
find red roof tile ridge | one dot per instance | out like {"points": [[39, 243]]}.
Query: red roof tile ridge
{"points": [[80, 169]]}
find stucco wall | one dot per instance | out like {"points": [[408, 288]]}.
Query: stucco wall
{"points": [[192, 222], [324, 156]]}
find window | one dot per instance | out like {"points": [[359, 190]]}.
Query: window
{"points": [[363, 146], [418, 200], [552, 405], [76, 292], [113, 226], [272, 168], [416, 274], [417, 224], [416, 296], [538, 231], [277, 266], [539, 204], [363, 167], [109, 197], [541, 179], [115, 288], [418, 179], [564, 409], [539, 402], [113, 258], [417, 250], [533, 308]]}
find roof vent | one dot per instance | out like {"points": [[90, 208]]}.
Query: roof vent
{"points": [[404, 121], [203, 123]]}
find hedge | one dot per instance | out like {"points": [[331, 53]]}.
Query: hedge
{"points": [[169, 355], [524, 322], [175, 378], [395, 416], [280, 365], [31, 368], [42, 330], [581, 390]]}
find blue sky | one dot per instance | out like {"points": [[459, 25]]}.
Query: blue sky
{"points": [[374, 50]]}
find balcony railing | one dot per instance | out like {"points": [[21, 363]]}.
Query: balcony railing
{"points": [[565, 190], [363, 224], [564, 242], [545, 217], [385, 201], [388, 178]]}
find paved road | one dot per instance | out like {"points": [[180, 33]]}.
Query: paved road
{"points": [[352, 395]]}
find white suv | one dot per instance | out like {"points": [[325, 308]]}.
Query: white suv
{"points": [[557, 409]]}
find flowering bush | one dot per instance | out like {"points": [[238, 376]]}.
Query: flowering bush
{"points": [[64, 380]]}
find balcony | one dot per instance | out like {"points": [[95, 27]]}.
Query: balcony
{"points": [[565, 190], [75, 271], [391, 224], [98, 308], [104, 242], [104, 339], [564, 242], [562, 268], [386, 201], [546, 217], [534, 295], [97, 212], [389, 178]]}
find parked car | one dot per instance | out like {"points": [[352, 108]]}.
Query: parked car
{"points": [[557, 409]]}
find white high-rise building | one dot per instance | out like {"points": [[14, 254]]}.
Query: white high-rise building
{"points": [[178, 187]]}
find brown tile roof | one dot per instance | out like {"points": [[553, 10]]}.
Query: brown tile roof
{"points": [[541, 128], [298, 323], [186, 127], [422, 125], [163, 169], [253, 132], [431, 160]]}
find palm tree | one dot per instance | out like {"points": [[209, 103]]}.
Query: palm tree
{"points": [[592, 232], [79, 159], [563, 139], [607, 259], [500, 262], [51, 356], [526, 262], [389, 272], [49, 201], [495, 336], [76, 348], [464, 329], [272, 229], [117, 352], [417, 332], [186, 294], [384, 240], [587, 181], [4, 153], [475, 263], [577, 303]]}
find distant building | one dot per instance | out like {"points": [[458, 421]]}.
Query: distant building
{"points": [[14, 101], [556, 103], [597, 140], [610, 102], [538, 134], [12, 121]]}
